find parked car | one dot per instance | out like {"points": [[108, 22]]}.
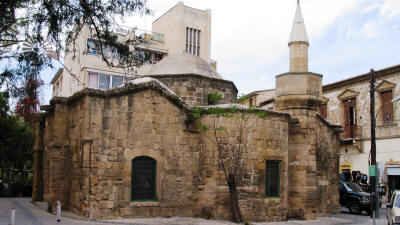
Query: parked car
{"points": [[354, 198], [393, 209]]}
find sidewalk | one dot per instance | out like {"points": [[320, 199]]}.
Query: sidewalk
{"points": [[27, 214]]}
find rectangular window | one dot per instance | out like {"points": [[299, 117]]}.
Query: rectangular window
{"points": [[117, 81], [143, 180], [387, 107], [93, 46], [192, 41], [104, 81], [93, 80], [272, 179], [350, 118]]}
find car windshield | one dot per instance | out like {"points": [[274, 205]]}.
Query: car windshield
{"points": [[397, 203], [354, 187]]}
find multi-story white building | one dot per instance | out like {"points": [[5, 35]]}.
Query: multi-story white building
{"points": [[180, 29]]}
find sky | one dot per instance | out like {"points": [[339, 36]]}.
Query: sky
{"points": [[249, 38]]}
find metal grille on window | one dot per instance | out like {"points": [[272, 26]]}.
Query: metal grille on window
{"points": [[192, 41], [143, 178], [272, 179]]}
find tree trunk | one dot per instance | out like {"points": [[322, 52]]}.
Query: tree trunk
{"points": [[234, 199]]}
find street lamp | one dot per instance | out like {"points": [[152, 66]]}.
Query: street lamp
{"points": [[396, 99], [373, 170]]}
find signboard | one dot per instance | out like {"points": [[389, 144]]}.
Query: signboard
{"points": [[372, 171]]}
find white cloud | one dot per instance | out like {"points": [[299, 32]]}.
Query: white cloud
{"points": [[390, 9], [370, 8], [351, 33], [370, 29]]}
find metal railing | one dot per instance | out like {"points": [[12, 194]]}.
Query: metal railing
{"points": [[149, 35], [351, 131]]}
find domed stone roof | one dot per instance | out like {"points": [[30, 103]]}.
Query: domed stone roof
{"points": [[178, 64]]}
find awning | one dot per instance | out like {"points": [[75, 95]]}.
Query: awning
{"points": [[393, 171]]}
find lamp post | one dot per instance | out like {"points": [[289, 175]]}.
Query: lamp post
{"points": [[372, 169]]}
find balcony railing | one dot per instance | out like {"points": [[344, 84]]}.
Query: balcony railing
{"points": [[351, 131], [149, 35], [125, 30]]}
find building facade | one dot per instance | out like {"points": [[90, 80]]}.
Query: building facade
{"points": [[180, 29], [347, 103], [137, 150]]}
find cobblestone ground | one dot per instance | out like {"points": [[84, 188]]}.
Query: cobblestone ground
{"points": [[29, 214]]}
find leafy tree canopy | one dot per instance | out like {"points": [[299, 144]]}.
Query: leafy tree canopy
{"points": [[29, 27], [16, 140]]}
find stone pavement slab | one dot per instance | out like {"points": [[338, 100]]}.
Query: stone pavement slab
{"points": [[29, 214]]}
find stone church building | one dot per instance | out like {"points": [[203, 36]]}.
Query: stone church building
{"points": [[135, 150]]}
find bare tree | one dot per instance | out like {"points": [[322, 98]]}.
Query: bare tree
{"points": [[230, 155]]}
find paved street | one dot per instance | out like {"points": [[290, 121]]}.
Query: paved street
{"points": [[29, 214]]}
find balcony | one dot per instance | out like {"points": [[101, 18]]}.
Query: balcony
{"points": [[351, 132], [148, 35]]}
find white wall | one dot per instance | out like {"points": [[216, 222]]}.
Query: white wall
{"points": [[386, 149], [173, 25]]}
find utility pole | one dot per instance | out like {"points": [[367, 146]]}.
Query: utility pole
{"points": [[372, 168]]}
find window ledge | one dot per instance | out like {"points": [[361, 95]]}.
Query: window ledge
{"points": [[144, 203], [384, 125]]}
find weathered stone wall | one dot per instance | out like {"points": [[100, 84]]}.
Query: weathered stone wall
{"points": [[354, 153], [91, 138], [38, 148], [141, 124], [328, 146], [194, 89], [56, 157], [263, 139], [360, 91], [91, 163], [313, 166]]}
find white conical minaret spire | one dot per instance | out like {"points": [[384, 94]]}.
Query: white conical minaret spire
{"points": [[298, 91], [298, 44], [299, 32]]}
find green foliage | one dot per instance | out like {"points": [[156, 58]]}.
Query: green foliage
{"points": [[229, 112], [221, 128], [242, 98], [233, 112], [214, 97], [29, 27], [16, 140], [203, 127]]}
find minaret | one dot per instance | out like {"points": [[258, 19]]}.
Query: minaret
{"points": [[298, 93], [298, 43], [298, 89]]}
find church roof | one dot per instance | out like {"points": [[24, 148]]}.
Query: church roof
{"points": [[181, 63], [299, 32]]}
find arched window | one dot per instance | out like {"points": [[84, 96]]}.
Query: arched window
{"points": [[143, 182]]}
